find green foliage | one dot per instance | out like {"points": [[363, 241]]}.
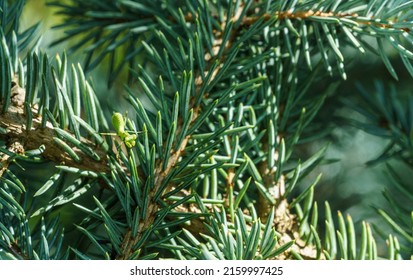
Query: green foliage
{"points": [[225, 95]]}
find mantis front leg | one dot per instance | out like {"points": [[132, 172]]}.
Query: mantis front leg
{"points": [[119, 123], [128, 139]]}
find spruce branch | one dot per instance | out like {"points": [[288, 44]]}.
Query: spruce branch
{"points": [[161, 173], [348, 22], [215, 165], [282, 220], [20, 140]]}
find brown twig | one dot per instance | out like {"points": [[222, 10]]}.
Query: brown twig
{"points": [[19, 139], [306, 15]]}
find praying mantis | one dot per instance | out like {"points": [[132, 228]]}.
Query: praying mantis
{"points": [[119, 123]]}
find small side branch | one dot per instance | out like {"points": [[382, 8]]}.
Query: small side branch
{"points": [[19, 140]]}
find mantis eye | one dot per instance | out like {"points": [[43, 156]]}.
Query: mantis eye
{"points": [[118, 122]]}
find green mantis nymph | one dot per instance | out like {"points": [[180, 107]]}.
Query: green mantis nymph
{"points": [[119, 123]]}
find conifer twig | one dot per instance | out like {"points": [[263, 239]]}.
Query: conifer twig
{"points": [[160, 173], [19, 139]]}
